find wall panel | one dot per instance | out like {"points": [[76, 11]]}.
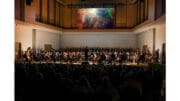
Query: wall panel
{"points": [[44, 10], [23, 34], [160, 37], [45, 37], [57, 15], [145, 38], [98, 39], [51, 11]]}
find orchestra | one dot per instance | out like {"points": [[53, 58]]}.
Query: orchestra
{"points": [[95, 55]]}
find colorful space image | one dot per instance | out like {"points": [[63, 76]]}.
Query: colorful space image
{"points": [[96, 18]]}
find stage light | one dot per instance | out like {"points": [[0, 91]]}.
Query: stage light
{"points": [[93, 10]]}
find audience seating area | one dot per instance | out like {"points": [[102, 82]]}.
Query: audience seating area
{"points": [[68, 82]]}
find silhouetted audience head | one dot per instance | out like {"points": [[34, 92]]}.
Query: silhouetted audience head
{"points": [[86, 82]]}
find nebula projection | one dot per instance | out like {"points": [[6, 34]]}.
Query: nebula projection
{"points": [[96, 18]]}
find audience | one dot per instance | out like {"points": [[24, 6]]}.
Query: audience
{"points": [[67, 82]]}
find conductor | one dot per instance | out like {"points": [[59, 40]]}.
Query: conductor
{"points": [[86, 50]]}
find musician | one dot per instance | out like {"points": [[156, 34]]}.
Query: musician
{"points": [[148, 57], [25, 56], [28, 55], [65, 56], [86, 50], [112, 56], [156, 57], [143, 57]]}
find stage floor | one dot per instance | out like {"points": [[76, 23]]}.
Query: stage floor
{"points": [[89, 63]]}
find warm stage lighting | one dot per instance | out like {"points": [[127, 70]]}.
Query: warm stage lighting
{"points": [[93, 11]]}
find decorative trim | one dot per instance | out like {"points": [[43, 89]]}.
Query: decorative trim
{"points": [[48, 11], [40, 10], [54, 12]]}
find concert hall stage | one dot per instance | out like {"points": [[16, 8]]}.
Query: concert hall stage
{"points": [[90, 63]]}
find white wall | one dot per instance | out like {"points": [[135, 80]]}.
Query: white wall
{"points": [[98, 39], [160, 37], [145, 38], [45, 37], [23, 34]]}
